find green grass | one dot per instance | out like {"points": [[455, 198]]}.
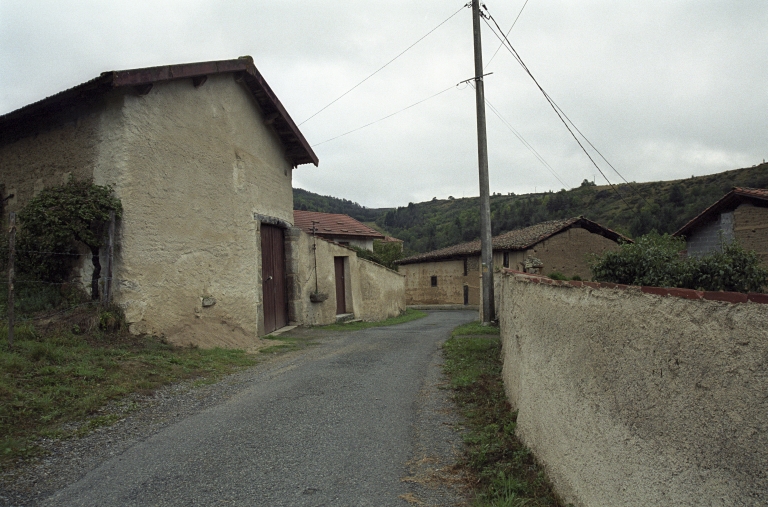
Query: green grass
{"points": [[52, 377], [505, 472], [408, 316], [287, 343]]}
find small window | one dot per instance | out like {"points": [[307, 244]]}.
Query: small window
{"points": [[506, 259], [465, 266], [433, 281]]}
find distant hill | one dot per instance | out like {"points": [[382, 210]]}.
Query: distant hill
{"points": [[308, 201], [633, 209]]}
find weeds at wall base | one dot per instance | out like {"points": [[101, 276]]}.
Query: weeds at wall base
{"points": [[504, 471], [62, 372]]}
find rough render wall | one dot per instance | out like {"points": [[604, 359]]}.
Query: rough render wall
{"points": [[450, 282], [373, 292], [192, 166], [62, 147], [382, 291], [62, 150], [632, 399], [750, 227]]}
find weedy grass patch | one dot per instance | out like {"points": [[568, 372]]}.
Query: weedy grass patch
{"points": [[62, 374], [505, 473], [409, 315]]}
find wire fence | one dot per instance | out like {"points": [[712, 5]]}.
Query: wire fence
{"points": [[27, 297]]}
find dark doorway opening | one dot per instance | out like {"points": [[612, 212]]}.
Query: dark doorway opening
{"points": [[341, 287]]}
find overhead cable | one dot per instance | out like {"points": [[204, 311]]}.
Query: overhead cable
{"points": [[508, 32], [500, 35], [381, 68], [519, 136], [385, 117]]}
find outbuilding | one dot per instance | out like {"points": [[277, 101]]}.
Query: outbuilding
{"points": [[452, 275], [201, 156], [740, 215]]}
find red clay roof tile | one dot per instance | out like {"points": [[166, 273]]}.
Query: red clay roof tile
{"points": [[330, 224]]}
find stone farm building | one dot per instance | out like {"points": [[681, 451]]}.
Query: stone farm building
{"points": [[202, 157], [741, 215], [452, 275], [338, 228]]}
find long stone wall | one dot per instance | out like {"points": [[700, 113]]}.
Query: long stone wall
{"points": [[633, 396]]}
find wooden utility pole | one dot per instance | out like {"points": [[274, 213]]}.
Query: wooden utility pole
{"points": [[489, 312]]}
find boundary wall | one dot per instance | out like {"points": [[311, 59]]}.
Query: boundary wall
{"points": [[639, 395]]}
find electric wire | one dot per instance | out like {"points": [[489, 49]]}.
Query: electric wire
{"points": [[508, 32], [519, 136], [382, 67], [549, 99], [385, 117]]}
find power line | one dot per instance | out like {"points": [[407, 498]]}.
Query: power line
{"points": [[380, 68], [549, 99], [508, 32], [385, 117], [519, 136]]}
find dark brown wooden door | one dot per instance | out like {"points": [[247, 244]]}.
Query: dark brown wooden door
{"points": [[341, 288], [273, 278]]}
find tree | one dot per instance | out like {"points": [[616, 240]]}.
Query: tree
{"points": [[75, 212]]}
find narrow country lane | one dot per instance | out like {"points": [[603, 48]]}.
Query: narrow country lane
{"points": [[346, 423]]}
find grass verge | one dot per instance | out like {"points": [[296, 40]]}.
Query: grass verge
{"points": [[409, 315], [66, 373], [504, 470]]}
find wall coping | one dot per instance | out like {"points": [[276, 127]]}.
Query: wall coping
{"points": [[728, 297]]}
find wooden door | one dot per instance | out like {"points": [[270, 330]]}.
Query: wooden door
{"points": [[341, 288], [273, 278]]}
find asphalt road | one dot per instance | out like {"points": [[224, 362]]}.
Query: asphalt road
{"points": [[350, 422]]}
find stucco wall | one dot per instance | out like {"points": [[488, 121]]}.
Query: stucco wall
{"points": [[50, 153], [629, 398], [750, 228], [373, 292], [382, 291], [450, 282], [192, 166]]}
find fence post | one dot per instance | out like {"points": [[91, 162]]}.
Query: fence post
{"points": [[107, 296], [11, 275]]}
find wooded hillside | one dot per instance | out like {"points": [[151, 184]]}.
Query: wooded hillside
{"points": [[632, 209]]}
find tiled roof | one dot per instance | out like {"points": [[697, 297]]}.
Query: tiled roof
{"points": [[729, 201], [297, 148], [520, 239], [331, 224]]}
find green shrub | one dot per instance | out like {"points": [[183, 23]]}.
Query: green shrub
{"points": [[657, 260], [557, 276]]}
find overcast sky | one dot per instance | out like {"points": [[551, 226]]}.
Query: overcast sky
{"points": [[665, 89]]}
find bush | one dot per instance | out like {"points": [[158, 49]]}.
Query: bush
{"points": [[58, 218], [658, 261]]}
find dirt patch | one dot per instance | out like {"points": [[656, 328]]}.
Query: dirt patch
{"points": [[209, 334]]}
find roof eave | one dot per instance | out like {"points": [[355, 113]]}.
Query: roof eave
{"points": [[297, 149]]}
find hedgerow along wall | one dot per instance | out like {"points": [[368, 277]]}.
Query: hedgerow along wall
{"points": [[639, 396]]}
